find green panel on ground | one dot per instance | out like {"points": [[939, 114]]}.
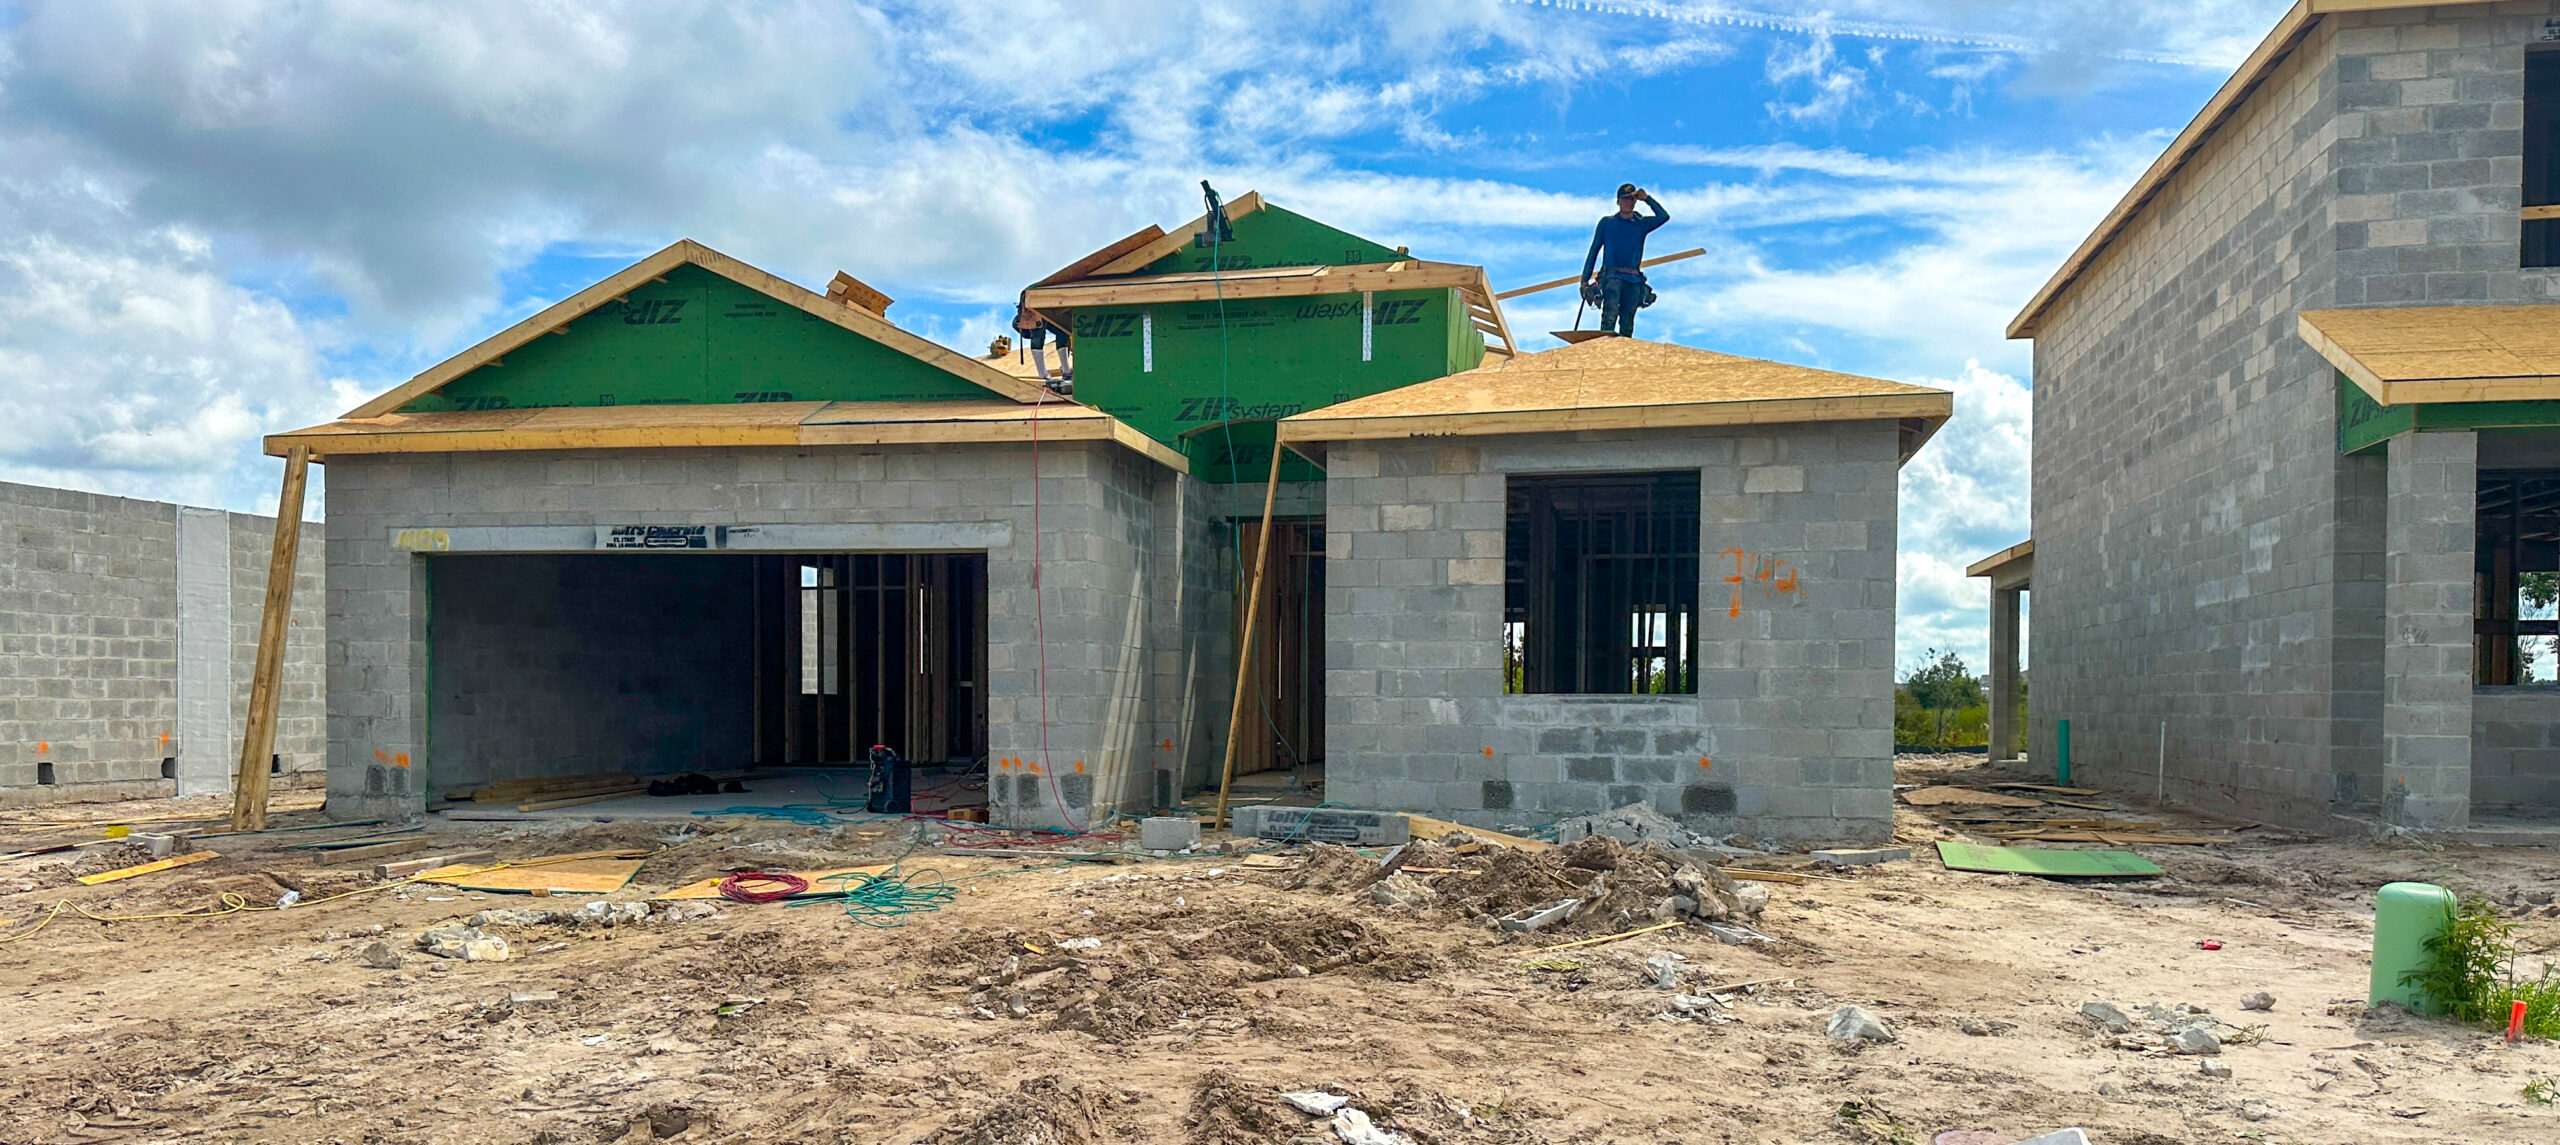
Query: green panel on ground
{"points": [[1274, 237], [696, 338], [2045, 861], [1261, 359]]}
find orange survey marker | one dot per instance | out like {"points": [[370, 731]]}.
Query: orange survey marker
{"points": [[150, 868]]}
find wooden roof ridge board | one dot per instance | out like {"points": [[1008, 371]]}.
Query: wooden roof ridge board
{"points": [[1269, 282], [2423, 354], [992, 420], [1146, 254], [679, 253], [2261, 62]]}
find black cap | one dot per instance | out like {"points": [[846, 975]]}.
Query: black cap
{"points": [[1626, 190]]}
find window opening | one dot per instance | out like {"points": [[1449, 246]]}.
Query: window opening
{"points": [[1601, 584]]}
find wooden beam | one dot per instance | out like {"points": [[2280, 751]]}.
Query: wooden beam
{"points": [[1518, 291], [258, 741], [854, 292], [1767, 412], [1244, 649], [1192, 288], [1147, 255], [2536, 214]]}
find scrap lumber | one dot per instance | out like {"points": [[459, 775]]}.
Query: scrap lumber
{"points": [[371, 851], [1965, 797], [1517, 291], [1426, 828], [149, 868], [1606, 937], [578, 800], [406, 868], [258, 741]]}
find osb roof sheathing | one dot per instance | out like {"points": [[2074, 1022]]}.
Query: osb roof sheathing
{"points": [[1618, 383], [2442, 353], [751, 424]]}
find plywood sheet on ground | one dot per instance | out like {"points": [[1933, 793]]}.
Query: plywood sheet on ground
{"points": [[574, 877], [2044, 861], [1965, 797], [710, 888]]}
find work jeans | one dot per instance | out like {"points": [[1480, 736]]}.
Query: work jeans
{"points": [[1619, 298]]}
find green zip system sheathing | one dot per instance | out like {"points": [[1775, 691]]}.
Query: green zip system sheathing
{"points": [[1177, 371], [695, 337], [2364, 423]]}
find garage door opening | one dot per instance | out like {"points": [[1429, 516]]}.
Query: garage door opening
{"points": [[667, 664]]}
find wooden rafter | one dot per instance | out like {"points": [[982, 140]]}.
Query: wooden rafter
{"points": [[1147, 255], [630, 278]]}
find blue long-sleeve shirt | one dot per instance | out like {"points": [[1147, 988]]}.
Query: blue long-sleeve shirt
{"points": [[1622, 238]]}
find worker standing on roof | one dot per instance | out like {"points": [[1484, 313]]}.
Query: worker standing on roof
{"points": [[1617, 253], [1035, 329]]}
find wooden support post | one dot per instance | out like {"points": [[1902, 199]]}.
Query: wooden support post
{"points": [[258, 742], [1244, 646]]}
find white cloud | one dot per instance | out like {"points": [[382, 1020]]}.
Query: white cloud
{"points": [[1964, 497]]}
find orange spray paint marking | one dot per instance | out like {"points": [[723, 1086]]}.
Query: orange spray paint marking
{"points": [[381, 756], [1168, 745], [400, 760], [1735, 580], [43, 747], [1035, 768], [1079, 767], [1704, 763], [1488, 752]]}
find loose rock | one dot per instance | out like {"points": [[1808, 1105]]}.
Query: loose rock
{"points": [[2259, 1000], [2256, 1110], [1663, 967], [380, 955], [2195, 1040], [610, 913], [463, 942], [2214, 1068], [2107, 1015], [1855, 1023], [1401, 891]]}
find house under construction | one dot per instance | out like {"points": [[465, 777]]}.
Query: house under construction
{"points": [[697, 518]]}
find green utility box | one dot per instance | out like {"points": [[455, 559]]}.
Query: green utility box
{"points": [[2405, 916]]}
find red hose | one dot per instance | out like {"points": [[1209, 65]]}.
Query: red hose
{"points": [[779, 885]]}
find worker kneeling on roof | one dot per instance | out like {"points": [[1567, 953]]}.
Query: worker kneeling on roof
{"points": [[1617, 252]]}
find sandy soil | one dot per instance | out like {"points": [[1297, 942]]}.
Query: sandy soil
{"points": [[1212, 988]]}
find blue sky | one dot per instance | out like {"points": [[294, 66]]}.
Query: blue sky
{"points": [[226, 218]]}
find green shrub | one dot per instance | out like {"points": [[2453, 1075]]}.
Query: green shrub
{"points": [[2471, 974]]}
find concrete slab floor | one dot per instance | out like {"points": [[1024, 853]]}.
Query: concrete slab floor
{"points": [[936, 790]]}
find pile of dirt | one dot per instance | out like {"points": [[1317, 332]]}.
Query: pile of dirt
{"points": [[1225, 1111], [112, 857], [1044, 1110], [1147, 973], [1620, 885]]}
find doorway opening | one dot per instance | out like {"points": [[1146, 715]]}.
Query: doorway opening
{"points": [[1285, 727]]}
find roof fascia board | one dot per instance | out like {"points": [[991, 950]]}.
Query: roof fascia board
{"points": [[1991, 564], [683, 251], [1307, 428], [2362, 375]]}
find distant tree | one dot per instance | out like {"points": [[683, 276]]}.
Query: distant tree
{"points": [[1941, 686]]}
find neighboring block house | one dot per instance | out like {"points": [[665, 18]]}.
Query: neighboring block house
{"points": [[2297, 429], [696, 518]]}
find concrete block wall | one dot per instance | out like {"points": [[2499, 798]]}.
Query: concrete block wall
{"points": [[2433, 507], [93, 640], [2515, 750], [1791, 732], [2430, 155], [1191, 635], [1095, 505], [2205, 560]]}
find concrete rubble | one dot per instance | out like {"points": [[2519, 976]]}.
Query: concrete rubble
{"points": [[1857, 1024], [464, 942]]}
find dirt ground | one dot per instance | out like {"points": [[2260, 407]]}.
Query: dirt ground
{"points": [[1209, 987]]}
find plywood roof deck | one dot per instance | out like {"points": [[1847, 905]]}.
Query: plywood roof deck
{"points": [[1998, 561], [767, 424], [2421, 354], [1620, 383]]}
